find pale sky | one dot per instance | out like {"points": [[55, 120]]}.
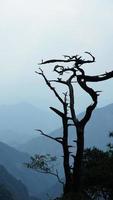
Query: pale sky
{"points": [[31, 30]]}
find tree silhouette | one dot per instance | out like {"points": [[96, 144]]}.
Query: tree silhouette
{"points": [[76, 75]]}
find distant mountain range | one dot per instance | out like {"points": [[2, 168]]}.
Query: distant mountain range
{"points": [[18, 122], [96, 134]]}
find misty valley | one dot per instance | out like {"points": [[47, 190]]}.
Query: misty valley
{"points": [[19, 141]]}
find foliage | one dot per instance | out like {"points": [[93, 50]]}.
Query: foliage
{"points": [[5, 194], [98, 173], [42, 163], [97, 177]]}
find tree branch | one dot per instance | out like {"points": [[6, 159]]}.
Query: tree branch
{"points": [[75, 59], [49, 85], [57, 112], [72, 109], [44, 171], [98, 78], [93, 95], [48, 136], [93, 58], [71, 125], [51, 173]]}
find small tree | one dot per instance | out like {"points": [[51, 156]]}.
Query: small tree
{"points": [[76, 75]]}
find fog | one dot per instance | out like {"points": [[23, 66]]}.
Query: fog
{"points": [[38, 29]]}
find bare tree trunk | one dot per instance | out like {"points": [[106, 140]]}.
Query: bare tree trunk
{"points": [[66, 152], [78, 159], [73, 182]]}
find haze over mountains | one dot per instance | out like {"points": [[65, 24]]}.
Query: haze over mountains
{"points": [[96, 134], [17, 124]]}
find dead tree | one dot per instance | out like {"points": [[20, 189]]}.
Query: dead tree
{"points": [[68, 115]]}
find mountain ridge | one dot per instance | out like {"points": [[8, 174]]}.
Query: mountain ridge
{"points": [[96, 133]]}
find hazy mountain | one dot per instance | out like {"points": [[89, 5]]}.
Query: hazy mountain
{"points": [[12, 186], [17, 122], [42, 145], [14, 160], [96, 134]]}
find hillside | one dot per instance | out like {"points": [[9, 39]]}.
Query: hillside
{"points": [[14, 160], [13, 186]]}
